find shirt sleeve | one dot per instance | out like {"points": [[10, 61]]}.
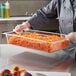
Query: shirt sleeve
{"points": [[44, 15]]}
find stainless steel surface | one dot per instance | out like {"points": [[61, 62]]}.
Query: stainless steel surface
{"points": [[67, 65]]}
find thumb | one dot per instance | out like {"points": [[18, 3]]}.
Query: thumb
{"points": [[67, 37]]}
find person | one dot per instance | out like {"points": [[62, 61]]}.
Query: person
{"points": [[71, 37], [64, 11]]}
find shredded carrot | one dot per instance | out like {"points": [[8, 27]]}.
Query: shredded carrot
{"points": [[37, 44]]}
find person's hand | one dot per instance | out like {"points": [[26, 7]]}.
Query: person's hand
{"points": [[24, 26], [71, 37]]}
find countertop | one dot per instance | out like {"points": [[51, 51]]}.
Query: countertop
{"points": [[20, 55], [15, 18]]}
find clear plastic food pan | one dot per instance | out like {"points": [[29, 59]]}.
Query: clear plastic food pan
{"points": [[39, 40]]}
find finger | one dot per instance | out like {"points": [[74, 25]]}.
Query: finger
{"points": [[17, 31], [66, 36], [27, 29]]}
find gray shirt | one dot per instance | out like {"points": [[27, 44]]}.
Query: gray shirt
{"points": [[64, 10]]}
